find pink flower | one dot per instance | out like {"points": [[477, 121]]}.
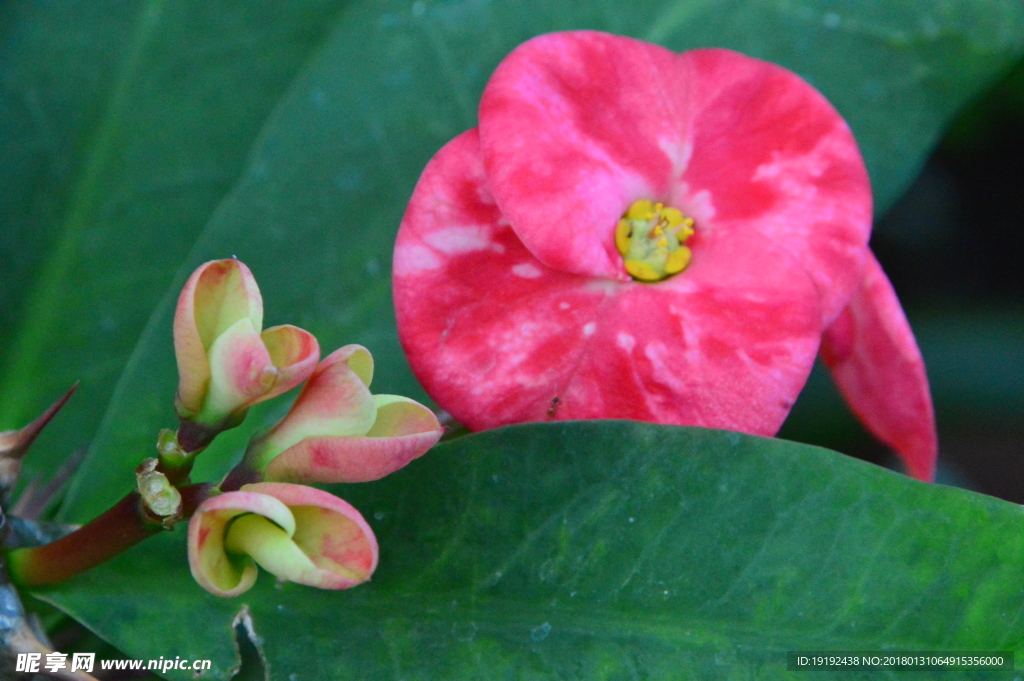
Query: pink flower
{"points": [[634, 233], [336, 431], [226, 363], [299, 534]]}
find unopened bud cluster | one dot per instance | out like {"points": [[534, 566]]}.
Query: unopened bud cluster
{"points": [[336, 431]]}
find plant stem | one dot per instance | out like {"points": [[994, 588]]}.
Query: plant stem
{"points": [[126, 524], [242, 474], [194, 437]]}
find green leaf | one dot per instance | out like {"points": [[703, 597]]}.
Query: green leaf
{"points": [[607, 549], [122, 126], [156, 135]]}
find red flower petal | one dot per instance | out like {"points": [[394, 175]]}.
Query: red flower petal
{"points": [[495, 336], [770, 154], [875, 361], [575, 127]]}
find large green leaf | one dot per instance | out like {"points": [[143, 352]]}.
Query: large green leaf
{"points": [[313, 209], [122, 126], [607, 550], [315, 213]]}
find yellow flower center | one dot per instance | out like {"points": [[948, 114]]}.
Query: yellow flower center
{"points": [[650, 238]]}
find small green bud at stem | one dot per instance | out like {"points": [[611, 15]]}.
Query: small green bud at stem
{"points": [[159, 496]]}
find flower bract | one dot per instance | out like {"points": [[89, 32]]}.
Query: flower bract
{"points": [[226, 362], [337, 431], [297, 533], [635, 233]]}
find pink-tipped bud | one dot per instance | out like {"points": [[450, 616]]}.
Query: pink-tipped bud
{"points": [[338, 432], [297, 533], [225, 362]]}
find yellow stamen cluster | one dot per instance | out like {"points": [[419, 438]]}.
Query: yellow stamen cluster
{"points": [[650, 238]]}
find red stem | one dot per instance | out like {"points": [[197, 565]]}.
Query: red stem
{"points": [[242, 474], [123, 526]]}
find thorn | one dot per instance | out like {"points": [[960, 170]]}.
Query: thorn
{"points": [[36, 497], [15, 443]]}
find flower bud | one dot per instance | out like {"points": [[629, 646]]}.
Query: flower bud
{"points": [[338, 432], [225, 363], [297, 533]]}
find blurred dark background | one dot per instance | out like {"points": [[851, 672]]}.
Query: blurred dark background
{"points": [[954, 249]]}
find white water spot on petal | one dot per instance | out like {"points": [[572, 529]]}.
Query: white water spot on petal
{"points": [[604, 286], [589, 328], [679, 152], [515, 345], [813, 164], [454, 240], [700, 207], [632, 185], [625, 341], [767, 171], [563, 305], [526, 270], [412, 258], [662, 365], [831, 20]]}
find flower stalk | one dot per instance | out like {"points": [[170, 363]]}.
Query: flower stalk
{"points": [[124, 525]]}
